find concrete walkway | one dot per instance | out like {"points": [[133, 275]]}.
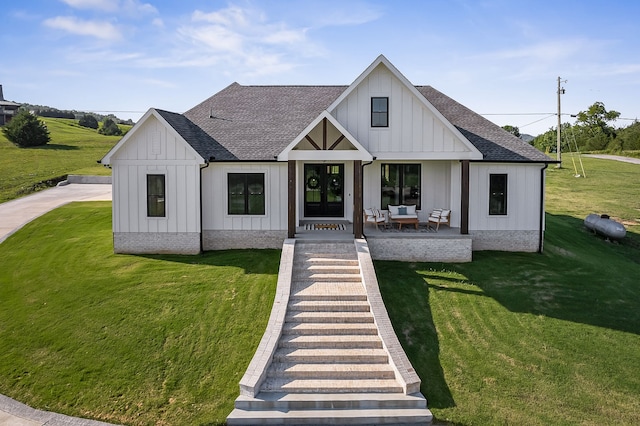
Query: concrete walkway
{"points": [[17, 213], [13, 216], [614, 157]]}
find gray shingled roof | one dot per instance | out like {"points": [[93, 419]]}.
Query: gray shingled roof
{"points": [[255, 123], [491, 140], [258, 122]]}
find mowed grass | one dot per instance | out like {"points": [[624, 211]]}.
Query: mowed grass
{"points": [[535, 339], [137, 340], [73, 150], [510, 338]]}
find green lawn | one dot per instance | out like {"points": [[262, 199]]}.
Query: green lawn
{"points": [[73, 150], [136, 340], [510, 338]]}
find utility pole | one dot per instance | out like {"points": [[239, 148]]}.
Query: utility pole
{"points": [[558, 147]]}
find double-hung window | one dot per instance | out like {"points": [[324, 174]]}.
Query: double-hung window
{"points": [[379, 112], [400, 185], [156, 195], [497, 194], [246, 193]]}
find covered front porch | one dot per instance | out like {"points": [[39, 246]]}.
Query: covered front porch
{"points": [[393, 243]]}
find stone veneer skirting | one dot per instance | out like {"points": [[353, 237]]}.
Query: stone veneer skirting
{"points": [[523, 241], [225, 240], [156, 242], [451, 249]]}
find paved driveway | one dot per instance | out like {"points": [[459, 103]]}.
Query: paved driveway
{"points": [[614, 157], [17, 213]]}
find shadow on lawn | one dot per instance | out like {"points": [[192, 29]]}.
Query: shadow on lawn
{"points": [[415, 328], [580, 277], [252, 261], [56, 147]]}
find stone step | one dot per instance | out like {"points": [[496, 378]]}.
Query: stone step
{"points": [[321, 329], [342, 259], [331, 371], [322, 317], [327, 269], [311, 296], [313, 288], [325, 401], [326, 276], [392, 416], [330, 341], [331, 385], [345, 356], [328, 306]]}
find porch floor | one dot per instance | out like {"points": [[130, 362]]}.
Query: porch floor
{"points": [[370, 231]]}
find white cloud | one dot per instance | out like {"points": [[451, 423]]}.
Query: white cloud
{"points": [[106, 5], [99, 29]]}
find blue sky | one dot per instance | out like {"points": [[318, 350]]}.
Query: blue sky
{"points": [[494, 56]]}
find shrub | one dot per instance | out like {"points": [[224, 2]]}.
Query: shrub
{"points": [[110, 128], [25, 129], [88, 121]]}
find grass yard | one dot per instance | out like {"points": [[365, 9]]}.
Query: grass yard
{"points": [[137, 340], [533, 339], [510, 338], [73, 150]]}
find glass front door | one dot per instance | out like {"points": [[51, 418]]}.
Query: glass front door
{"points": [[324, 190]]}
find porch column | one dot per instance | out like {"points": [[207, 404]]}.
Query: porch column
{"points": [[291, 198], [464, 199], [357, 198]]}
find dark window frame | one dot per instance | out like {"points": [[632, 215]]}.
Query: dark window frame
{"points": [[156, 195], [377, 114], [498, 191], [414, 195], [247, 205]]}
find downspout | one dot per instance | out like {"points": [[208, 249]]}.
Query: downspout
{"points": [[362, 186], [206, 164], [542, 191]]}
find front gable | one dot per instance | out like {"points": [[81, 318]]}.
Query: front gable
{"points": [[325, 139], [416, 129], [152, 139]]}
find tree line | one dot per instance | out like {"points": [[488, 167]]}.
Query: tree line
{"points": [[592, 131]]}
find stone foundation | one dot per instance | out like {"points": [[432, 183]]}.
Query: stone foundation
{"points": [[156, 243], [452, 249], [225, 240], [523, 241]]}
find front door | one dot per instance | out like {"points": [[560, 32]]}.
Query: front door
{"points": [[324, 190]]}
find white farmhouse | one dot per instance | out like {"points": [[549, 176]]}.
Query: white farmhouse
{"points": [[251, 165]]}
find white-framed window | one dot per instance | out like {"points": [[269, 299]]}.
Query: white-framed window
{"points": [[498, 194]]}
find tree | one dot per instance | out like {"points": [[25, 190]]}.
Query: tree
{"points": [[597, 117], [88, 121], [513, 130], [25, 129], [110, 128]]}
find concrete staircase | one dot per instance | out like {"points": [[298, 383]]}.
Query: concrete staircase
{"points": [[330, 365]]}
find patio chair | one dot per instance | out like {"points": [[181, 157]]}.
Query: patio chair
{"points": [[439, 217], [374, 216]]}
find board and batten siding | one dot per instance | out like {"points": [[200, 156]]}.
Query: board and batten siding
{"points": [[413, 128], [154, 149], [214, 198], [439, 187], [523, 197]]}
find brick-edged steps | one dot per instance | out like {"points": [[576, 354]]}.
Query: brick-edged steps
{"points": [[330, 366]]}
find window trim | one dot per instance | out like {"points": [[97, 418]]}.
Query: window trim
{"points": [[373, 98], [246, 193], [503, 198], [161, 198], [401, 183]]}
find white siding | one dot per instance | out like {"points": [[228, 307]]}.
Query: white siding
{"points": [[214, 198], [155, 149], [440, 187], [413, 128], [523, 197]]}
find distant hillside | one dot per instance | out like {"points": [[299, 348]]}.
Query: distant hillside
{"points": [[47, 111], [527, 138]]}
